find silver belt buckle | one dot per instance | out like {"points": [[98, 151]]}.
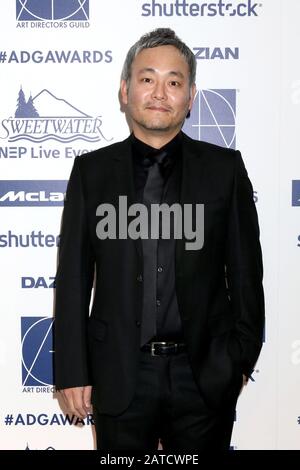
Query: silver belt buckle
{"points": [[153, 346]]}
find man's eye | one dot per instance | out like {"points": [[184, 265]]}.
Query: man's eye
{"points": [[174, 83], [146, 80]]}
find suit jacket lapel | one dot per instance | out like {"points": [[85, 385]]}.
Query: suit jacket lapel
{"points": [[124, 183], [192, 184], [198, 186]]}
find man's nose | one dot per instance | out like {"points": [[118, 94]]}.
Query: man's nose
{"points": [[159, 91]]}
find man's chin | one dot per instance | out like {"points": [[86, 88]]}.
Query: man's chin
{"points": [[156, 126]]}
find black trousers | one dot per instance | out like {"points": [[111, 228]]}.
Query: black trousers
{"points": [[167, 407]]}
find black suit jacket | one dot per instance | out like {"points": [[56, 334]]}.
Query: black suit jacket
{"points": [[219, 288]]}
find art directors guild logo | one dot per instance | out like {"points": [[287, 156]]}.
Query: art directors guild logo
{"points": [[42, 14], [213, 117], [46, 117], [37, 351], [295, 193]]}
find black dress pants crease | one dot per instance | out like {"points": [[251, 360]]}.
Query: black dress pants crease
{"points": [[166, 406]]}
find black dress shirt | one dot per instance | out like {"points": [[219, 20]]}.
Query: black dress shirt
{"points": [[168, 321]]}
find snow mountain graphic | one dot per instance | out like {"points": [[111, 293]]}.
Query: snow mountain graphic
{"points": [[48, 105], [46, 116]]}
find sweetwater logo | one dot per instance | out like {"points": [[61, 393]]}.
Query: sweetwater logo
{"points": [[52, 13], [47, 117], [213, 117], [37, 352]]}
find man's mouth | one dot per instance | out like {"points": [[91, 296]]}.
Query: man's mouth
{"points": [[162, 109]]}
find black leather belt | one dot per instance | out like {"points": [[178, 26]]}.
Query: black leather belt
{"points": [[163, 348]]}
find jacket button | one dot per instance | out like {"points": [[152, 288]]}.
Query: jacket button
{"points": [[138, 323], [139, 278]]}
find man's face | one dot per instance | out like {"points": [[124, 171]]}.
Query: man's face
{"points": [[159, 95]]}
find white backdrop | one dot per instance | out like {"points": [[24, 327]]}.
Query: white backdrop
{"points": [[60, 64]]}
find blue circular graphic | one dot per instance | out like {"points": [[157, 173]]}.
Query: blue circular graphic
{"points": [[213, 117], [52, 10], [37, 351]]}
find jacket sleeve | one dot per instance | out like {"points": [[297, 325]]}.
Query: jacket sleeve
{"points": [[74, 281], [244, 268]]}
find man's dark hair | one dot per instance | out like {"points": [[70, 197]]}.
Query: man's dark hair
{"points": [[159, 37]]}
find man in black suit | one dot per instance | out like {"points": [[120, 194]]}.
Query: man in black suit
{"points": [[175, 328]]}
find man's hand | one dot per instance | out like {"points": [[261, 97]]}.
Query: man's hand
{"points": [[78, 400], [245, 380]]}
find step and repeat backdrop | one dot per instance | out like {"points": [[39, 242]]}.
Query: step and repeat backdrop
{"points": [[60, 65]]}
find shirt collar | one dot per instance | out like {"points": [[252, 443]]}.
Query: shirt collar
{"points": [[141, 149]]}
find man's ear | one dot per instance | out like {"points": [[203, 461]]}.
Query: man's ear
{"points": [[123, 89], [192, 95]]}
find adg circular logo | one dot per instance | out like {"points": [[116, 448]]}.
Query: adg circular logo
{"points": [[37, 351], [58, 10], [213, 117]]}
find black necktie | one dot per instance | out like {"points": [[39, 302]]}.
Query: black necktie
{"points": [[152, 195]]}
